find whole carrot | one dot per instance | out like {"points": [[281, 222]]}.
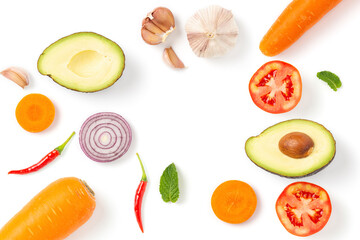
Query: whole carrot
{"points": [[54, 213], [294, 21]]}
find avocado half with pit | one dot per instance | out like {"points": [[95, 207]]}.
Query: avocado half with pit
{"points": [[293, 148], [84, 61]]}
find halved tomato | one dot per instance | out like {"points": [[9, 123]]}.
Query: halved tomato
{"points": [[276, 87], [303, 208]]}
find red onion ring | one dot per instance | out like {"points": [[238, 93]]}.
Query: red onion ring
{"points": [[105, 137]]}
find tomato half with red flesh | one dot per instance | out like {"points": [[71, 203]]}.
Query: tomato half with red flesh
{"points": [[303, 208], [276, 87]]}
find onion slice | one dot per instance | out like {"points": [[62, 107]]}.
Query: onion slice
{"points": [[105, 137]]}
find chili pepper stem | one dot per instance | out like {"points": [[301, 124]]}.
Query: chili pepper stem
{"points": [[143, 178], [62, 146]]}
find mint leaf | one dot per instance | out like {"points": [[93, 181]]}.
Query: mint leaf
{"points": [[330, 78], [169, 184]]}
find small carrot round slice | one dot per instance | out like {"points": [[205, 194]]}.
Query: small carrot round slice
{"points": [[234, 201], [35, 112]]}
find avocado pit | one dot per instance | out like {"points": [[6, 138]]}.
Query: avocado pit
{"points": [[296, 145]]}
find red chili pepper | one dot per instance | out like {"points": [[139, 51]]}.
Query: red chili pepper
{"points": [[139, 195], [45, 160]]}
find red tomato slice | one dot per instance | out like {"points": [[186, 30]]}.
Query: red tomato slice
{"points": [[276, 87], [303, 208]]}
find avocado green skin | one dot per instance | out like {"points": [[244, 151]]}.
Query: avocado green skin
{"points": [[49, 75], [294, 177]]}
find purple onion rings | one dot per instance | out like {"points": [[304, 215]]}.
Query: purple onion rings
{"points": [[105, 137]]}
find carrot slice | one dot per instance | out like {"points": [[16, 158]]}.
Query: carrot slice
{"points": [[35, 112], [294, 21], [234, 201], [54, 213]]}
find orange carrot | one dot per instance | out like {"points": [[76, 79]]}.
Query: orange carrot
{"points": [[35, 112], [54, 213], [234, 201], [295, 20]]}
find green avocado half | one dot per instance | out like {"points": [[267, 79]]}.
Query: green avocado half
{"points": [[293, 148], [84, 61]]}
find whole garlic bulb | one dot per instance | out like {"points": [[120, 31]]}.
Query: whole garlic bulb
{"points": [[212, 31]]}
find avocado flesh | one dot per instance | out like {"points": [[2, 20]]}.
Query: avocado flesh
{"points": [[84, 61], [264, 150]]}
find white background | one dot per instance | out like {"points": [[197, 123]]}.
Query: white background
{"points": [[199, 118]]}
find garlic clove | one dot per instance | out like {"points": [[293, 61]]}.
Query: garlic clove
{"points": [[212, 31], [17, 75], [157, 26], [151, 38], [172, 59], [150, 26], [163, 18]]}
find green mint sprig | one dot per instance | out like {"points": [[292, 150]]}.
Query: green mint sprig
{"points": [[169, 184]]}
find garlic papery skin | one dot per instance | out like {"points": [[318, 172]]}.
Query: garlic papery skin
{"points": [[212, 31], [17, 75]]}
